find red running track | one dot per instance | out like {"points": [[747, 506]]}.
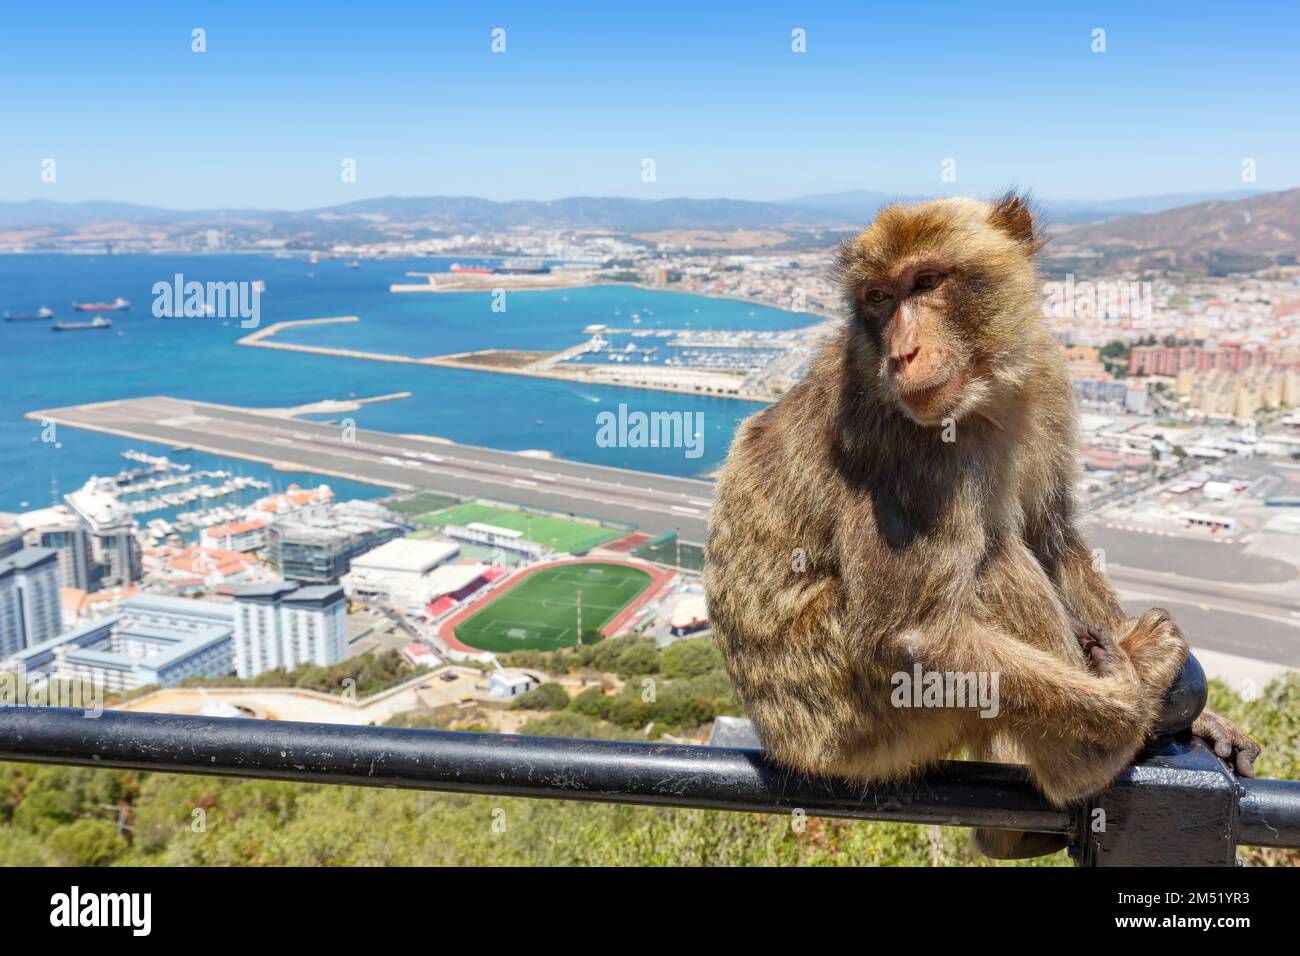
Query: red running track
{"points": [[659, 584]]}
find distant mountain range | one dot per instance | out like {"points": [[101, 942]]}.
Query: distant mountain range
{"points": [[862, 206], [1213, 236], [622, 214], [457, 213], [35, 213], [1231, 231], [592, 212]]}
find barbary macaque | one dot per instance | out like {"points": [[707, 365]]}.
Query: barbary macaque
{"points": [[907, 507]]}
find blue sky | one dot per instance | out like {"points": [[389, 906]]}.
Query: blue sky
{"points": [[584, 92]]}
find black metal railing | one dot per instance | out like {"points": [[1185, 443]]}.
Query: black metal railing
{"points": [[1178, 804]]}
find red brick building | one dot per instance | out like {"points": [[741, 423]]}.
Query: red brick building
{"points": [[1224, 357]]}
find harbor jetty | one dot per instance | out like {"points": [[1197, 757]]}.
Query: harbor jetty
{"points": [[717, 383]]}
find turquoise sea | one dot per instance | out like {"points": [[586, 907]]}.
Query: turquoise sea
{"points": [[198, 359]]}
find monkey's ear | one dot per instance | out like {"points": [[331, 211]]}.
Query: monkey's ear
{"points": [[1011, 214]]}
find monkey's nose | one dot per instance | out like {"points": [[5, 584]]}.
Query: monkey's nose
{"points": [[904, 360]]}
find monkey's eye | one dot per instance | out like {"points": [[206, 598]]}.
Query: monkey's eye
{"points": [[927, 281], [877, 296]]}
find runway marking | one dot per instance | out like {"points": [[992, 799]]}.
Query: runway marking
{"points": [[1166, 534]]}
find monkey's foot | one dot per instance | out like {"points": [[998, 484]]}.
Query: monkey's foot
{"points": [[1228, 741], [1017, 845]]}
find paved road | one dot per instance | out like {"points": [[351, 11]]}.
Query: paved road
{"points": [[652, 502], [1248, 636], [1210, 561], [1173, 587], [1260, 625]]}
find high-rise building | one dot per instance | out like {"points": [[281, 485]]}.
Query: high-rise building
{"points": [[73, 544], [284, 625], [58, 527], [11, 536], [115, 552], [30, 612]]}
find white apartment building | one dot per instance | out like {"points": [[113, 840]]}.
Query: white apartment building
{"points": [[235, 535], [285, 625], [153, 639]]}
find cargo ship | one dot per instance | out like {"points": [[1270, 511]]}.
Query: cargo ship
{"points": [[98, 322], [42, 313], [116, 305]]}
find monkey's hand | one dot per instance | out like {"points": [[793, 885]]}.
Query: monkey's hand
{"points": [[1228, 741], [1104, 656], [1157, 650]]}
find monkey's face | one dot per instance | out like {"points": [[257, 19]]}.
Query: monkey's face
{"points": [[941, 293], [924, 365]]}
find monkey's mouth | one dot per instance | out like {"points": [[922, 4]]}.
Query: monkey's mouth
{"points": [[930, 402]]}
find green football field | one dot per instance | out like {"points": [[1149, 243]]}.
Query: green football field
{"points": [[540, 612], [558, 534]]}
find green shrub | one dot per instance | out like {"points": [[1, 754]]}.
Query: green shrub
{"points": [[86, 843], [690, 658], [548, 696], [637, 659]]}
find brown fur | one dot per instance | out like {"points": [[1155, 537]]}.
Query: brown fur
{"points": [[962, 555]]}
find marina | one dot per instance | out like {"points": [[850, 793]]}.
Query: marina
{"points": [[162, 487], [725, 351], [746, 365]]}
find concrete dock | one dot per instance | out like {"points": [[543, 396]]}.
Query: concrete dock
{"points": [[654, 377]]}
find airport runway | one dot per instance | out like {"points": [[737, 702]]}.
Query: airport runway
{"points": [[652, 502], [1234, 617]]}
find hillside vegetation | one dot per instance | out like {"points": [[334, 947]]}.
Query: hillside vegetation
{"points": [[59, 815]]}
